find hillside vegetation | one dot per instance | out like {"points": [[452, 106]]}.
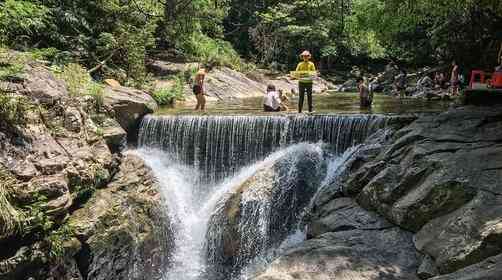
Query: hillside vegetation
{"points": [[116, 38]]}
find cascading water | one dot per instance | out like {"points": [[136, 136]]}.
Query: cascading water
{"points": [[228, 219], [219, 146]]}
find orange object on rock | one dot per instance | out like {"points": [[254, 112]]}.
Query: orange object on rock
{"points": [[112, 83], [497, 80]]}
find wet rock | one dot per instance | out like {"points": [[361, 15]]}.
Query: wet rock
{"points": [[35, 262], [343, 214], [129, 106], [441, 178], [123, 228], [272, 198], [427, 269], [352, 254]]}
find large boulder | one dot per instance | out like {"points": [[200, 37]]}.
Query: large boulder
{"points": [[349, 243], [441, 179], [123, 228], [264, 209], [343, 214], [42, 85], [129, 106], [353, 254]]}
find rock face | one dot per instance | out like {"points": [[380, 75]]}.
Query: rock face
{"points": [[124, 225], [353, 254], [349, 243], [439, 180], [43, 86], [227, 84], [261, 212], [129, 106], [489, 269], [72, 206]]}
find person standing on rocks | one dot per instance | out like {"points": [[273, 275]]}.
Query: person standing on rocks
{"points": [[455, 81], [365, 96], [198, 89], [305, 73]]}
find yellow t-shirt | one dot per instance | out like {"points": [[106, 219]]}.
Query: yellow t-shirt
{"points": [[306, 66]]}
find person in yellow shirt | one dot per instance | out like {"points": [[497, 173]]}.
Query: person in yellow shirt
{"points": [[306, 81]]}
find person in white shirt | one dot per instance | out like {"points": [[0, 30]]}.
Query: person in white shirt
{"points": [[271, 100]]}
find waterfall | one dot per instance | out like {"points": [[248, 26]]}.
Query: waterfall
{"points": [[219, 146], [237, 189]]}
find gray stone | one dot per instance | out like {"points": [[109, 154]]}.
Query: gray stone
{"points": [[129, 106], [72, 120], [43, 86], [123, 227], [441, 178], [466, 236], [354, 254], [427, 268], [114, 135], [274, 198], [489, 269], [344, 214]]}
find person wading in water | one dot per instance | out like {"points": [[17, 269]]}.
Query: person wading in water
{"points": [[198, 89], [307, 71]]}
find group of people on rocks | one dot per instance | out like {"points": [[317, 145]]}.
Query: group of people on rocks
{"points": [[276, 100]]}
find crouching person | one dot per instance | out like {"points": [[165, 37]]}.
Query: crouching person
{"points": [[271, 100]]}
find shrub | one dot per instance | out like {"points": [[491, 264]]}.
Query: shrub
{"points": [[214, 52], [21, 21], [79, 82], [76, 77], [10, 218], [11, 64], [13, 108], [166, 96], [56, 240], [97, 92]]}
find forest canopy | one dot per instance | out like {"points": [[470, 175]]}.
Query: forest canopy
{"points": [[117, 37]]}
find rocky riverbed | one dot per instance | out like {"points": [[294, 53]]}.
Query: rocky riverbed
{"points": [[426, 205]]}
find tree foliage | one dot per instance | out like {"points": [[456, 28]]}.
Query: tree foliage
{"points": [[116, 37]]}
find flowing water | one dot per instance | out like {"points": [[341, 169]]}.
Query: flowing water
{"points": [[219, 146], [236, 188]]}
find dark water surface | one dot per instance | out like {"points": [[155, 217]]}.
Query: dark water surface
{"points": [[333, 103]]}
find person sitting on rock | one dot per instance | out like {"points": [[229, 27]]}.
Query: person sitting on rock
{"points": [[284, 100], [271, 100]]}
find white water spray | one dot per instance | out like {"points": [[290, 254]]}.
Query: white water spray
{"points": [[189, 209]]}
